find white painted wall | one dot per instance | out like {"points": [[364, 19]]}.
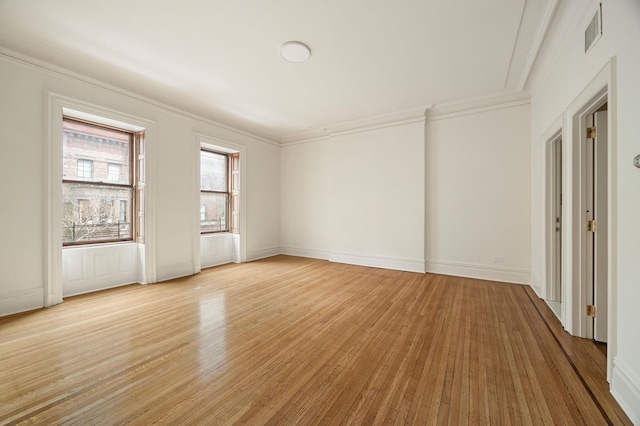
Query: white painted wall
{"points": [[478, 198], [305, 199], [562, 73], [357, 197], [24, 89]]}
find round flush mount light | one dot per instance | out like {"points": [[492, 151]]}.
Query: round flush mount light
{"points": [[295, 51]]}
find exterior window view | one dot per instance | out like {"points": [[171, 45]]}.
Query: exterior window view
{"points": [[214, 192], [97, 183]]}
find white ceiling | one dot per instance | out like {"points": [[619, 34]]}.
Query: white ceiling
{"points": [[219, 58]]}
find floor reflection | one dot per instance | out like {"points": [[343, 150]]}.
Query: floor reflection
{"points": [[213, 332]]}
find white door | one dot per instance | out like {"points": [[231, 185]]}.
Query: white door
{"points": [[597, 201]]}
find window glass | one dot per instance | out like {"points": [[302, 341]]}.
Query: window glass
{"points": [[97, 186], [213, 171]]}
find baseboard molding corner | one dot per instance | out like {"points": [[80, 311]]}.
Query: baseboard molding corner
{"points": [[625, 388]]}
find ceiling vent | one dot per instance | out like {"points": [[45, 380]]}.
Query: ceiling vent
{"points": [[594, 31]]}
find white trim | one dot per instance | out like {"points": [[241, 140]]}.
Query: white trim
{"points": [[176, 270], [375, 261], [56, 104], [625, 388], [396, 118], [13, 302], [212, 142], [477, 106], [482, 272], [587, 100], [263, 253], [536, 45], [305, 252], [72, 75]]}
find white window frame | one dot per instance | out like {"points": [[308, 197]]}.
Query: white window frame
{"points": [[58, 106]]}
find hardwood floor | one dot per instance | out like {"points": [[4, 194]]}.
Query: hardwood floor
{"points": [[288, 340]]}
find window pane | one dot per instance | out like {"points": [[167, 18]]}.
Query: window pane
{"points": [[113, 172], [213, 171], [213, 212], [95, 154], [96, 213]]}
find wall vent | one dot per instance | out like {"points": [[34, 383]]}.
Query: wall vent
{"points": [[594, 31]]}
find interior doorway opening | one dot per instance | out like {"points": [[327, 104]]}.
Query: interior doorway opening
{"points": [[555, 223]]}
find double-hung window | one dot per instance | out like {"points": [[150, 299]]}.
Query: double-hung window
{"points": [[219, 192], [98, 183], [214, 192]]}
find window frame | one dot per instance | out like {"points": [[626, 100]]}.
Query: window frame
{"points": [[134, 140], [209, 191]]}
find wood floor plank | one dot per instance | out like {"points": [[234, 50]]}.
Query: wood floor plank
{"points": [[288, 340]]}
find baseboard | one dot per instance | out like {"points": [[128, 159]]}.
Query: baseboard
{"points": [[482, 272], [176, 270], [263, 253], [96, 285], [302, 252], [401, 264], [13, 302], [625, 388]]}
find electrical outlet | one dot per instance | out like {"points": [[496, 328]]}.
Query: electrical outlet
{"points": [[498, 259]]}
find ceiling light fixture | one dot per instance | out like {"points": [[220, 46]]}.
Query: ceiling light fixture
{"points": [[294, 51]]}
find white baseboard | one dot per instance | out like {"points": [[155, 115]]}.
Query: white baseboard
{"points": [[177, 270], [482, 272], [97, 285], [625, 388], [13, 302], [303, 252], [401, 264], [263, 253]]}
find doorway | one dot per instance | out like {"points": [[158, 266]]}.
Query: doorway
{"points": [[555, 220]]}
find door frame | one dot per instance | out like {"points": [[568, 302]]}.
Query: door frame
{"points": [[601, 89]]}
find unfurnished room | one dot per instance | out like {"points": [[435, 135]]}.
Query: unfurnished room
{"points": [[337, 212]]}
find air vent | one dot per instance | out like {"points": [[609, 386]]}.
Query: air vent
{"points": [[594, 31]]}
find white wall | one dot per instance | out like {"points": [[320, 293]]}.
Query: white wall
{"points": [[357, 197], [562, 73], [24, 89], [478, 197]]}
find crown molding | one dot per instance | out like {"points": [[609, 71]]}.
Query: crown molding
{"points": [[395, 118], [477, 105], [55, 70], [541, 34]]}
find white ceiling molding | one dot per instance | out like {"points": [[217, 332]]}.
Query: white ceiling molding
{"points": [[51, 69], [395, 118], [536, 45], [477, 105]]}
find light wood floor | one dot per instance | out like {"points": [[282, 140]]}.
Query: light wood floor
{"points": [[298, 341]]}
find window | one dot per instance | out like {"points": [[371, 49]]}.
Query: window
{"points": [[98, 194], [85, 169], [219, 192], [214, 191], [113, 172]]}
